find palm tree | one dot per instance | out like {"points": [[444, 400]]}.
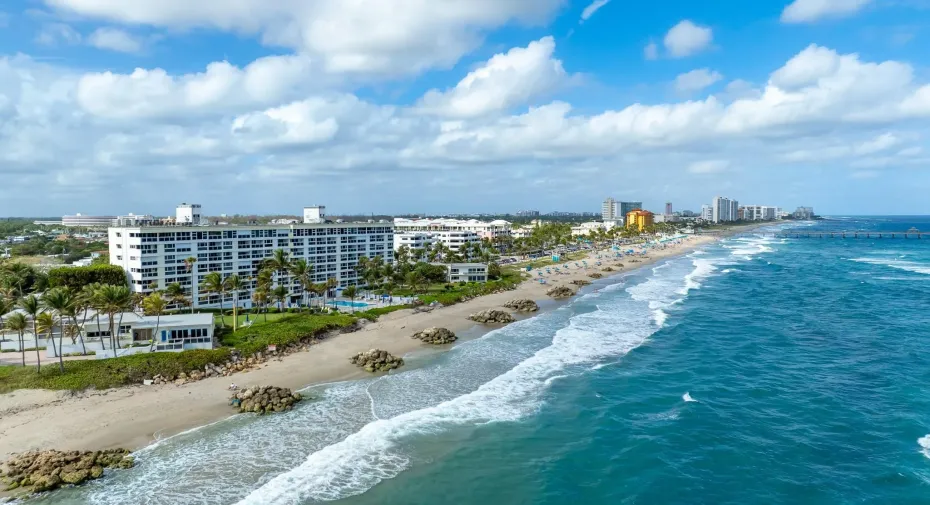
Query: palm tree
{"points": [[5, 306], [350, 291], [303, 273], [213, 283], [280, 294], [61, 302], [175, 294], [234, 284], [17, 322], [279, 262], [31, 306], [261, 297], [45, 323], [154, 304], [112, 300]]}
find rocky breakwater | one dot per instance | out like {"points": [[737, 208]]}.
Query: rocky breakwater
{"points": [[376, 360], [435, 336], [595, 275], [39, 471], [560, 292], [264, 399], [581, 282], [522, 305], [492, 316]]}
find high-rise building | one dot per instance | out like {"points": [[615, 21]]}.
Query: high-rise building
{"points": [[804, 213], [155, 256], [639, 219], [627, 207], [724, 210], [707, 213], [528, 213], [610, 210], [668, 209]]}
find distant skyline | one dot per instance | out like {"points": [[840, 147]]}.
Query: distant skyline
{"points": [[405, 106]]}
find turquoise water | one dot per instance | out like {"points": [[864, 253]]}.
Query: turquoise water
{"points": [[343, 303], [757, 371]]}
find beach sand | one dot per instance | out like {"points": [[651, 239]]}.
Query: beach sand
{"points": [[135, 416]]}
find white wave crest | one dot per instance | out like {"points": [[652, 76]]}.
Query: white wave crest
{"points": [[910, 266], [687, 398], [924, 443], [377, 452]]}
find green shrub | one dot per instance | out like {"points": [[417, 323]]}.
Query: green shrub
{"points": [[75, 278], [284, 331], [108, 373], [372, 314]]}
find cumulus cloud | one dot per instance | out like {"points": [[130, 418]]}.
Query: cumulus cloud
{"points": [[55, 34], [221, 88], [592, 8], [228, 128], [696, 80], [114, 39], [506, 80], [388, 37], [687, 38], [809, 11]]}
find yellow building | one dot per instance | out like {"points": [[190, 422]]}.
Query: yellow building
{"points": [[639, 219]]}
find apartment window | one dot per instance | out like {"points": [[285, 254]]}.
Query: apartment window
{"points": [[119, 246]]}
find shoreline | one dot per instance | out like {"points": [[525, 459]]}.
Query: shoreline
{"points": [[136, 416]]}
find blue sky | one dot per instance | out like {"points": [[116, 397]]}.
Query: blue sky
{"points": [[462, 106]]}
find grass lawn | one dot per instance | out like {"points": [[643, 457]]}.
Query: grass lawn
{"points": [[257, 318]]}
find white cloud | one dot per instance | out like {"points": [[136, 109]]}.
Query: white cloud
{"points": [[221, 88], [880, 143], [651, 51], [808, 11], [696, 80], [54, 34], [388, 37], [709, 167], [271, 129], [114, 39], [687, 38], [592, 8], [505, 81]]}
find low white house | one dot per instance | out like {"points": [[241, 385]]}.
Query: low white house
{"points": [[174, 332], [467, 272], [585, 229]]}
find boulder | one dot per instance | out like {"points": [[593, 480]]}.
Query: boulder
{"points": [[436, 336], [595, 275], [264, 399], [492, 316], [40, 471], [581, 282], [376, 360], [522, 305], [560, 292], [607, 269]]}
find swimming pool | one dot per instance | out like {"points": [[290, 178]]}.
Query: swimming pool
{"points": [[343, 303]]}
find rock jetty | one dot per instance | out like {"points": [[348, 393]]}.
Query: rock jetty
{"points": [[264, 399], [376, 360], [560, 292], [581, 282], [595, 275], [436, 336], [40, 471], [522, 305], [492, 316]]}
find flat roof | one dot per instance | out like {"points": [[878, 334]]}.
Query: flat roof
{"points": [[294, 226]]}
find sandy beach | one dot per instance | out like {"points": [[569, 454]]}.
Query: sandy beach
{"points": [[134, 416]]}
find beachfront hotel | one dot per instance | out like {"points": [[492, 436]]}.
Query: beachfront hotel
{"points": [[489, 230], [155, 256], [639, 219]]}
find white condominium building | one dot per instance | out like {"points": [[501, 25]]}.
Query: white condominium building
{"points": [[483, 229], [610, 210], [724, 210], [759, 213], [80, 220], [156, 254], [452, 240]]}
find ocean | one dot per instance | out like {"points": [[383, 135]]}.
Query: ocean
{"points": [[754, 371]]}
